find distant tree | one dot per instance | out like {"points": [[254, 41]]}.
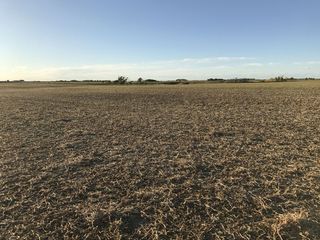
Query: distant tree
{"points": [[215, 79], [181, 80], [21, 80], [150, 81], [140, 80], [122, 79], [280, 79]]}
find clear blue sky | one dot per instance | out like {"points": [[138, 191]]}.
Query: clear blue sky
{"points": [[167, 39]]}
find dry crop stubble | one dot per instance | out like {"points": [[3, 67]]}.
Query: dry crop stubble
{"points": [[197, 161]]}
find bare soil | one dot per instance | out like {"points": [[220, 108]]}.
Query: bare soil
{"points": [[197, 161]]}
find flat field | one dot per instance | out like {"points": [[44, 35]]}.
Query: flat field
{"points": [[197, 161]]}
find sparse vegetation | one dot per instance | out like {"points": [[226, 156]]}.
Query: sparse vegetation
{"points": [[182, 80], [198, 161], [241, 80], [122, 79], [150, 81], [216, 80], [280, 79]]}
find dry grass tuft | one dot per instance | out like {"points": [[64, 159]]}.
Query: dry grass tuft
{"points": [[283, 220]]}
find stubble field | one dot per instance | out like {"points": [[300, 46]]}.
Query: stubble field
{"points": [[197, 161]]}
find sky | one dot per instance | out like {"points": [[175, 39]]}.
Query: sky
{"points": [[167, 39]]}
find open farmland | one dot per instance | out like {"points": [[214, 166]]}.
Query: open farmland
{"points": [[197, 161]]}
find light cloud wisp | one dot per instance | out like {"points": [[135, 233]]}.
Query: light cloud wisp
{"points": [[191, 68]]}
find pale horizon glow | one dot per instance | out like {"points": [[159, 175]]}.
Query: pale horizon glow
{"points": [[189, 68]]}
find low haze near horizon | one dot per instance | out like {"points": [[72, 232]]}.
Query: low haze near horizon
{"points": [[168, 39]]}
